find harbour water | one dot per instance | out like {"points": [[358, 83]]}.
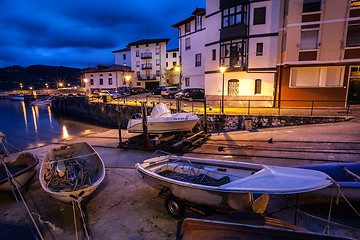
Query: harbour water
{"points": [[28, 126]]}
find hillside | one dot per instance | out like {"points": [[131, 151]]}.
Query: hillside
{"points": [[37, 75]]}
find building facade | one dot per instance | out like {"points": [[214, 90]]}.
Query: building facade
{"points": [[319, 52], [105, 77], [191, 33], [148, 61], [172, 66], [122, 57]]}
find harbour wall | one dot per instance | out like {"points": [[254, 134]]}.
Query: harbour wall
{"points": [[109, 114]]}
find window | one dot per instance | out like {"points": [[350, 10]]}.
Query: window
{"points": [[138, 84], [147, 45], [187, 82], [233, 87], [259, 49], [137, 46], [259, 15], [124, 56], [174, 63], [157, 62], [214, 54], [158, 73], [187, 43], [283, 47], [355, 3], [317, 76], [198, 22], [91, 81], [309, 40], [110, 81], [101, 81], [91, 75], [138, 74], [234, 15], [187, 27], [232, 53], [138, 64], [137, 53], [124, 82], [167, 64], [174, 55], [167, 55], [157, 51], [353, 35], [110, 74], [311, 5], [198, 60], [257, 86]]}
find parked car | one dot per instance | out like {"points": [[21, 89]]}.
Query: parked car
{"points": [[137, 90], [193, 93], [112, 93], [179, 95], [170, 92], [157, 91], [124, 91]]}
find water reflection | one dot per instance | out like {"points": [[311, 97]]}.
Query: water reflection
{"points": [[34, 117], [65, 132], [24, 113], [50, 118]]}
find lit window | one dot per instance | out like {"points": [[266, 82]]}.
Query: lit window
{"points": [[257, 86]]}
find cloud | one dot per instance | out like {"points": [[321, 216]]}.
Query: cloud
{"points": [[78, 33]]}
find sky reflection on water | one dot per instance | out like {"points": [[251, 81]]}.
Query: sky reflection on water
{"points": [[28, 126]]}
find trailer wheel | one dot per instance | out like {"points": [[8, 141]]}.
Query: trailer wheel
{"points": [[175, 207]]}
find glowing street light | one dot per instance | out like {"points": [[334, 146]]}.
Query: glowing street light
{"points": [[127, 78], [30, 88], [46, 85], [222, 70], [177, 69], [85, 80], [61, 84]]}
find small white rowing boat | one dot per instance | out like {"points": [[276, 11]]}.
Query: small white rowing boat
{"points": [[19, 171], [161, 120], [227, 183], [71, 172]]}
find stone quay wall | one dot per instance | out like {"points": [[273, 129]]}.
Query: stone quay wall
{"points": [[108, 113]]}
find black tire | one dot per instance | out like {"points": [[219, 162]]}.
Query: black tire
{"points": [[175, 207]]}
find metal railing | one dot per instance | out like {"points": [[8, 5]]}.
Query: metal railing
{"points": [[244, 106]]}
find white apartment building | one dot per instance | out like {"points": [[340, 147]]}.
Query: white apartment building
{"points": [[105, 77], [148, 61], [172, 66], [239, 35], [192, 49], [122, 57]]}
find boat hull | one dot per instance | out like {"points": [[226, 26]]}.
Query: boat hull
{"points": [[84, 151], [156, 127], [349, 185], [26, 164], [231, 183]]}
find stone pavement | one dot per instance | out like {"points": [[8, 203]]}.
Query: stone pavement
{"points": [[127, 207]]}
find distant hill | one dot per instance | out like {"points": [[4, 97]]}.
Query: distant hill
{"points": [[37, 75]]}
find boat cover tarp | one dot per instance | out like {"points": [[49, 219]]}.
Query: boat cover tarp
{"points": [[160, 110]]}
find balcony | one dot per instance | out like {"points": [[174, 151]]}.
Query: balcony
{"points": [[146, 77], [146, 55], [146, 66], [233, 32]]}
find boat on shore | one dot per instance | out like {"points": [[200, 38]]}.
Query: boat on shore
{"points": [[346, 175], [19, 171], [40, 102], [71, 172], [161, 120], [226, 184], [254, 228]]}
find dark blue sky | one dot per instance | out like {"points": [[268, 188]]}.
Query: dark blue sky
{"points": [[83, 33]]}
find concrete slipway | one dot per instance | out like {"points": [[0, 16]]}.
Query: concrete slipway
{"points": [[127, 207]]}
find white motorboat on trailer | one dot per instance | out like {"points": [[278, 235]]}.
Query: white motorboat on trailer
{"points": [[161, 120], [226, 183]]}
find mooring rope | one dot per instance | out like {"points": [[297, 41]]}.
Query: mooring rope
{"points": [[11, 180], [351, 173], [74, 213], [77, 200]]}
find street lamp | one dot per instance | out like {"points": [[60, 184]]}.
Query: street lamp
{"points": [[46, 85], [222, 70], [177, 69], [61, 84], [127, 78]]}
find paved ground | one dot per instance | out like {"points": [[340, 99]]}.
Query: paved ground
{"points": [[127, 207]]}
